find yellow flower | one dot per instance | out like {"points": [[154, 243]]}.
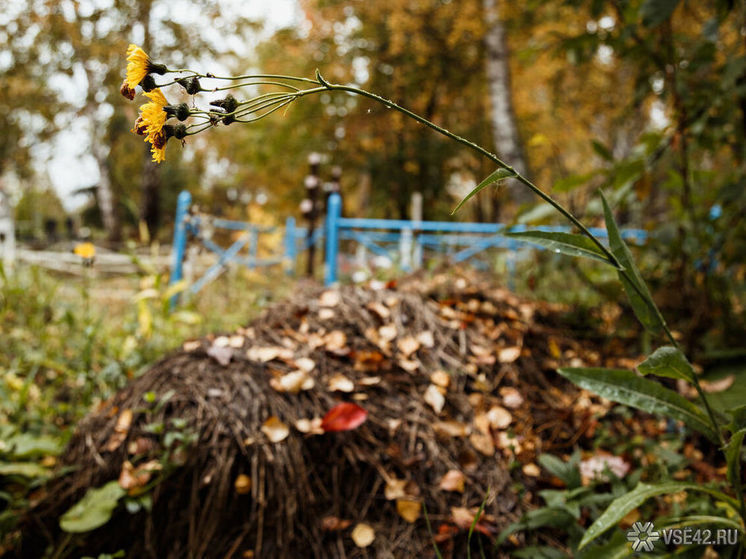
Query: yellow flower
{"points": [[138, 65], [86, 251], [152, 119]]}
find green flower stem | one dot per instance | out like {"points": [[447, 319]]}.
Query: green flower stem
{"points": [[536, 190]]}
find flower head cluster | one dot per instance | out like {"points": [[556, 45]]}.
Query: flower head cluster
{"points": [[152, 121], [139, 67]]}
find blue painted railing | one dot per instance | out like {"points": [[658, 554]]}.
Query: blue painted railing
{"points": [[458, 241]]}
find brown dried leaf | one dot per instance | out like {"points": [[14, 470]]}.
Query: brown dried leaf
{"points": [[242, 484], [121, 428], [440, 378], [334, 524], [310, 426], [335, 340], [395, 489], [275, 430], [509, 354], [330, 299], [408, 345], [305, 364], [409, 510], [483, 443], [363, 535], [340, 383], [387, 332], [382, 311], [268, 353], [511, 397], [326, 314], [453, 480], [499, 417], [531, 470], [426, 339], [719, 385], [192, 345], [409, 365], [434, 398], [292, 382], [450, 429]]}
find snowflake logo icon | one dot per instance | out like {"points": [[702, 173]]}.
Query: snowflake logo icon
{"points": [[643, 536]]}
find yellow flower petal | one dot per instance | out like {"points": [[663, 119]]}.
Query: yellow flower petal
{"points": [[138, 63]]}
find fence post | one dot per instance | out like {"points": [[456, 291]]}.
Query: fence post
{"points": [[334, 212], [180, 238], [290, 246], [253, 247]]}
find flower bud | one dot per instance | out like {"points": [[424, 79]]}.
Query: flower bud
{"points": [[180, 131], [180, 111], [148, 83], [191, 85], [126, 91], [159, 69], [229, 104]]}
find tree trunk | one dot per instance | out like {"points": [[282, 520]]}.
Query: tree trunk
{"points": [[504, 127]]}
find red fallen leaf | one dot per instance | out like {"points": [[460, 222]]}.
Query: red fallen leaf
{"points": [[343, 417]]}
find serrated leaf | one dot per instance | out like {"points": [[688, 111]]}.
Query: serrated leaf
{"points": [[669, 362], [498, 175], [637, 292], [625, 387], [571, 244], [621, 506], [93, 510]]}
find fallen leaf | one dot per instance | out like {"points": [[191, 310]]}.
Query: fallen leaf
{"points": [[305, 364], [242, 485], [395, 489], [509, 354], [499, 417], [531, 470], [453, 480], [292, 382], [378, 308], [275, 429], [330, 299], [719, 385], [221, 341], [334, 524], [511, 397], [236, 341], [343, 417], [121, 428], [409, 365], [408, 510], [434, 398], [440, 378], [221, 354], [483, 443], [191, 345], [335, 340], [363, 535], [426, 339], [310, 426], [132, 479], [340, 383], [268, 353], [387, 333], [326, 314], [369, 381], [408, 345], [450, 429]]}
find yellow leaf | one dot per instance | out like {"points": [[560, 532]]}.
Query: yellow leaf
{"points": [[408, 510], [275, 429]]}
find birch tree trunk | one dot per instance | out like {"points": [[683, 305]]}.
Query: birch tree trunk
{"points": [[504, 128]]}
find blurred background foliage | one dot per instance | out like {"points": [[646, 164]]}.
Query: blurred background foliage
{"points": [[643, 98]]}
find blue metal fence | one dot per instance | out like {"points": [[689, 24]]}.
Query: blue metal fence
{"points": [[457, 241]]}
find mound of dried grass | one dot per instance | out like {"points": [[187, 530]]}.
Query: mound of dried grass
{"points": [[453, 387]]}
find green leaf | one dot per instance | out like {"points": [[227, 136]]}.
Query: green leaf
{"points": [[93, 510], [669, 362], [498, 175], [616, 548], [25, 469], [738, 417], [567, 243], [639, 296], [29, 446], [545, 516], [539, 552], [627, 388], [622, 506], [602, 150], [568, 472], [704, 520], [655, 12], [733, 457]]}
